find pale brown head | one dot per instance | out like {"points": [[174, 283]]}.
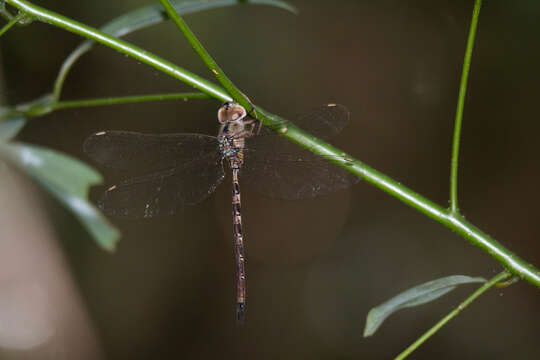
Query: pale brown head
{"points": [[231, 111]]}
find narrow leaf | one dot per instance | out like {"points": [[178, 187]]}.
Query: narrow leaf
{"points": [[417, 295], [68, 180], [40, 106], [153, 14], [10, 128]]}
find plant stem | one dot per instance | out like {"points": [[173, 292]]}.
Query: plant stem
{"points": [[4, 12], [453, 221], [66, 67], [205, 56], [493, 281], [126, 100], [460, 105], [143, 17], [121, 46], [11, 23]]}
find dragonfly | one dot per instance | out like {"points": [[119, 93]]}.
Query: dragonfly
{"points": [[179, 170]]}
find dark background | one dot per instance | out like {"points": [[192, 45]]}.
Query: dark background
{"points": [[315, 267]]}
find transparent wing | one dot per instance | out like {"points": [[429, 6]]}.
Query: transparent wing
{"points": [[323, 122], [165, 192], [294, 176], [147, 152], [278, 168]]}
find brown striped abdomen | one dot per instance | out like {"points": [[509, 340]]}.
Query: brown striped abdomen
{"points": [[238, 245]]}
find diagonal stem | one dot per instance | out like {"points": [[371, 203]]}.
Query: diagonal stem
{"points": [[123, 47], [141, 18], [4, 12], [205, 56], [11, 23], [488, 285]]}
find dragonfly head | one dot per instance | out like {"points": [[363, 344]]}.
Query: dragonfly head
{"points": [[231, 111]]}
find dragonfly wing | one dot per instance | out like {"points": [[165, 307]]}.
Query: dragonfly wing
{"points": [[294, 176], [323, 122], [165, 192], [147, 152]]}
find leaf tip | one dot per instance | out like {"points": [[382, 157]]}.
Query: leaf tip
{"points": [[372, 322], [110, 247], [110, 241]]}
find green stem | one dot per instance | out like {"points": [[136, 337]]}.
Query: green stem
{"points": [[66, 67], [11, 23], [143, 17], [460, 105], [453, 221], [496, 279], [205, 56], [125, 100], [4, 12], [123, 47]]}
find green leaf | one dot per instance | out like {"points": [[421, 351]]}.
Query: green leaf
{"points": [[68, 180], [10, 128], [153, 14], [415, 296], [37, 107]]}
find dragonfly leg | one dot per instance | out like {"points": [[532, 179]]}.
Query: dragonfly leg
{"points": [[253, 112], [248, 130]]}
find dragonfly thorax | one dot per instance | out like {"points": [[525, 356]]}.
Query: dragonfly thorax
{"points": [[232, 132], [231, 149], [227, 146]]}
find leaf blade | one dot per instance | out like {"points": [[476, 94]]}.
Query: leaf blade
{"points": [[68, 180], [153, 14], [414, 296], [11, 127]]}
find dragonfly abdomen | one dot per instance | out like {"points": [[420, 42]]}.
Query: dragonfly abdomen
{"points": [[238, 246]]}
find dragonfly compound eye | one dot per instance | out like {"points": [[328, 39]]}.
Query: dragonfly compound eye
{"points": [[231, 111]]}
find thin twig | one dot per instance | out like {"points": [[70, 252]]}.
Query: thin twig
{"points": [[126, 100], [210, 63], [11, 23], [459, 111], [493, 281]]}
